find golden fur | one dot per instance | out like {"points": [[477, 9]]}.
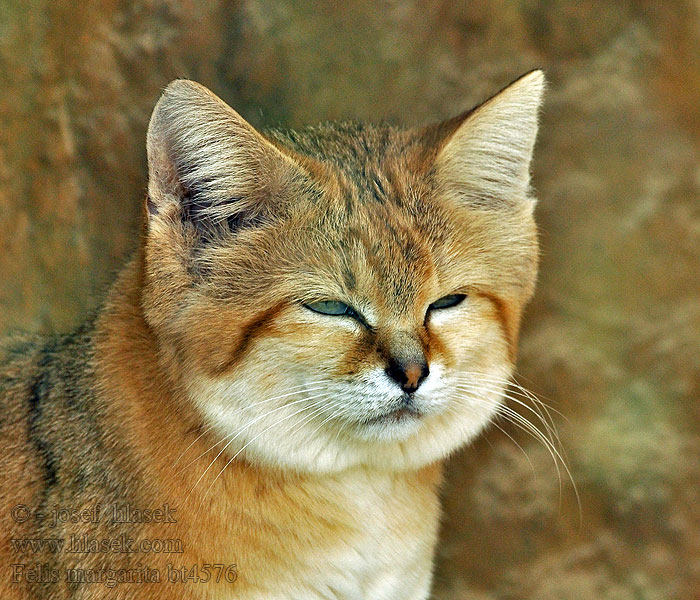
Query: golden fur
{"points": [[206, 383]]}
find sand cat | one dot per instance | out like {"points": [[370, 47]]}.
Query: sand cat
{"points": [[312, 322]]}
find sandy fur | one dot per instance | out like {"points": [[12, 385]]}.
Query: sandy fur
{"points": [[205, 383]]}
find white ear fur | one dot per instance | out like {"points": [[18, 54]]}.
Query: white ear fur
{"points": [[487, 159], [196, 142]]}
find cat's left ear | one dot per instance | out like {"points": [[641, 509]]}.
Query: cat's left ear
{"points": [[485, 159]]}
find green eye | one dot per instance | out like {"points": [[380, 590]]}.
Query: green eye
{"points": [[330, 307], [447, 301]]}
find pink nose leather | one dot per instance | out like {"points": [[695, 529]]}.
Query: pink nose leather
{"points": [[413, 374]]}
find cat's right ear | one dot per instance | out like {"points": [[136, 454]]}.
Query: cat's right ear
{"points": [[208, 166]]}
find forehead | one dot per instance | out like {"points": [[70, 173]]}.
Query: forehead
{"points": [[368, 163], [385, 254], [379, 235], [378, 211]]}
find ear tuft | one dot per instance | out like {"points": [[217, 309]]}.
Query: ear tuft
{"points": [[486, 159], [206, 162]]}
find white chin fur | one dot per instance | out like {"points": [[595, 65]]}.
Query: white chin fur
{"points": [[291, 429]]}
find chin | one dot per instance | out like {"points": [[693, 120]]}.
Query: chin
{"points": [[395, 426]]}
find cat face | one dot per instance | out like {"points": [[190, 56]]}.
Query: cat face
{"points": [[346, 294]]}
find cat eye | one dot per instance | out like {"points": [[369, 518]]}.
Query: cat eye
{"points": [[331, 307], [447, 301], [336, 308]]}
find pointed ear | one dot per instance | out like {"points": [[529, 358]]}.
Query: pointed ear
{"points": [[206, 164], [486, 158]]}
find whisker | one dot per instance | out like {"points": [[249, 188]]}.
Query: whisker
{"points": [[320, 408], [542, 408], [231, 437], [203, 497], [518, 419], [510, 437], [295, 390], [553, 434], [524, 390], [547, 408], [250, 423], [333, 415], [539, 405], [551, 431], [519, 390], [522, 422]]}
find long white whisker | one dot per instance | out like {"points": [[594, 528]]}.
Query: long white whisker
{"points": [[483, 378], [518, 419], [295, 390], [547, 408], [545, 418], [232, 437], [517, 389], [510, 437], [257, 436], [551, 430], [476, 387], [250, 423], [328, 418]]}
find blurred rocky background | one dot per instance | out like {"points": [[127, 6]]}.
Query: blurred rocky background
{"points": [[612, 340]]}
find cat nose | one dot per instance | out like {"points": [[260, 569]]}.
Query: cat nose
{"points": [[409, 374]]}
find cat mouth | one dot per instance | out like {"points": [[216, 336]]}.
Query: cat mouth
{"points": [[405, 412]]}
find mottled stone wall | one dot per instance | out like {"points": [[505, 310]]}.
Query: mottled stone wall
{"points": [[612, 338]]}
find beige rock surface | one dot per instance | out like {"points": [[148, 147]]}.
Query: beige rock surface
{"points": [[612, 338]]}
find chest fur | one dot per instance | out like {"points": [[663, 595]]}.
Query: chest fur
{"points": [[356, 535]]}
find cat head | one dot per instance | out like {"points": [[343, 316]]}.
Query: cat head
{"points": [[345, 294]]}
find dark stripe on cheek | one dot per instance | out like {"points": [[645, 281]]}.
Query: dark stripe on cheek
{"points": [[433, 346], [506, 321], [359, 354], [255, 328]]}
